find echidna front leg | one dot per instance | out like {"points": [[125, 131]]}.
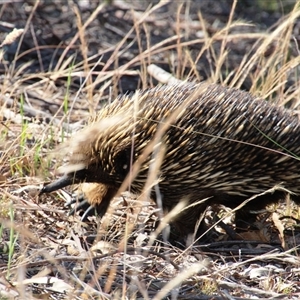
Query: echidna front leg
{"points": [[95, 200], [81, 205]]}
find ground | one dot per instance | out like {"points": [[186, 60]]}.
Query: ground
{"points": [[62, 63]]}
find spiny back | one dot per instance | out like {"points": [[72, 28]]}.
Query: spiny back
{"points": [[220, 137]]}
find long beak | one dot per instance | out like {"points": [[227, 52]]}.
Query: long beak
{"points": [[65, 180]]}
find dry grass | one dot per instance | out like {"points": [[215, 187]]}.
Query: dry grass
{"points": [[48, 91]]}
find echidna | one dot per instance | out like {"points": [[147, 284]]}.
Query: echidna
{"points": [[214, 143]]}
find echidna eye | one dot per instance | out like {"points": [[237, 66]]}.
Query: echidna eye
{"points": [[122, 161]]}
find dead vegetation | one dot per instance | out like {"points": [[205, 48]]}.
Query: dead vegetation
{"points": [[69, 58]]}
